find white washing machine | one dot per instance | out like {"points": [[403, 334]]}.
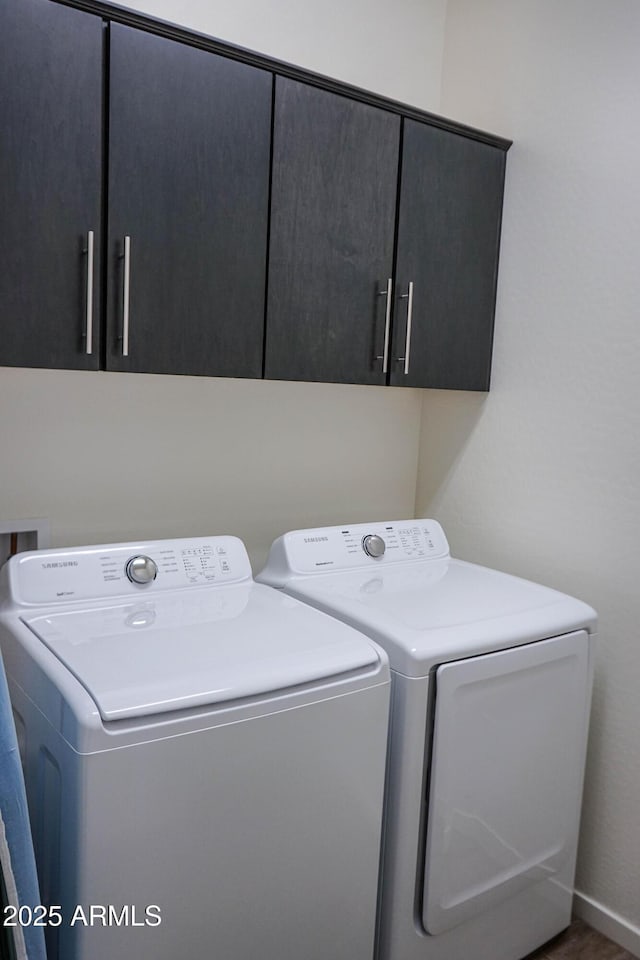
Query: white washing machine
{"points": [[204, 756], [491, 687]]}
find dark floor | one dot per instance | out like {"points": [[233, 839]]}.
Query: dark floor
{"points": [[581, 942]]}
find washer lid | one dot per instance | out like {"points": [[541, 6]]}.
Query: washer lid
{"points": [[192, 648], [429, 612]]}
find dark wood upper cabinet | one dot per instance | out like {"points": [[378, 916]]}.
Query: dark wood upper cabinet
{"points": [[335, 164], [50, 184], [447, 258], [171, 180], [189, 150], [335, 179]]}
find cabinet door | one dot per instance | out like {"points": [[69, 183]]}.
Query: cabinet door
{"points": [[50, 184], [448, 240], [188, 186], [335, 167]]}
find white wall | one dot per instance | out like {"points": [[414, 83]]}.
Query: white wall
{"points": [[542, 477], [114, 456], [391, 48]]}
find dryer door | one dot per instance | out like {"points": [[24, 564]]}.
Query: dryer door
{"points": [[506, 775]]}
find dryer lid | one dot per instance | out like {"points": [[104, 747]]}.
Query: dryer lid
{"points": [[429, 612], [193, 648]]}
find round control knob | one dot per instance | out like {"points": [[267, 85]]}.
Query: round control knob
{"points": [[373, 545], [141, 569]]}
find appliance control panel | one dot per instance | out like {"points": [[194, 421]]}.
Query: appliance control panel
{"points": [[125, 569], [359, 545]]}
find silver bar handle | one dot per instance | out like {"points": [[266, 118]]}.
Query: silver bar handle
{"points": [[89, 304], [407, 343], [126, 292], [387, 324]]}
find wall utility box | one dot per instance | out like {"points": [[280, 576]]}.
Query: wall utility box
{"points": [[19, 535]]}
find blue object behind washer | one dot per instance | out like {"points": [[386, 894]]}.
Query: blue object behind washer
{"points": [[16, 849]]}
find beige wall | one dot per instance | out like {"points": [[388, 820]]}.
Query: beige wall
{"points": [[114, 456], [542, 477]]}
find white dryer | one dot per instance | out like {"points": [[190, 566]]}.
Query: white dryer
{"points": [[491, 687], [204, 756]]}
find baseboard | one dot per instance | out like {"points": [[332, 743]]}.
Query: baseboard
{"points": [[611, 924]]}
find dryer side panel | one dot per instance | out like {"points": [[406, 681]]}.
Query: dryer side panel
{"points": [[506, 777]]}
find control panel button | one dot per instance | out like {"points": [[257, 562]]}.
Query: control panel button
{"points": [[373, 545], [141, 569]]}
